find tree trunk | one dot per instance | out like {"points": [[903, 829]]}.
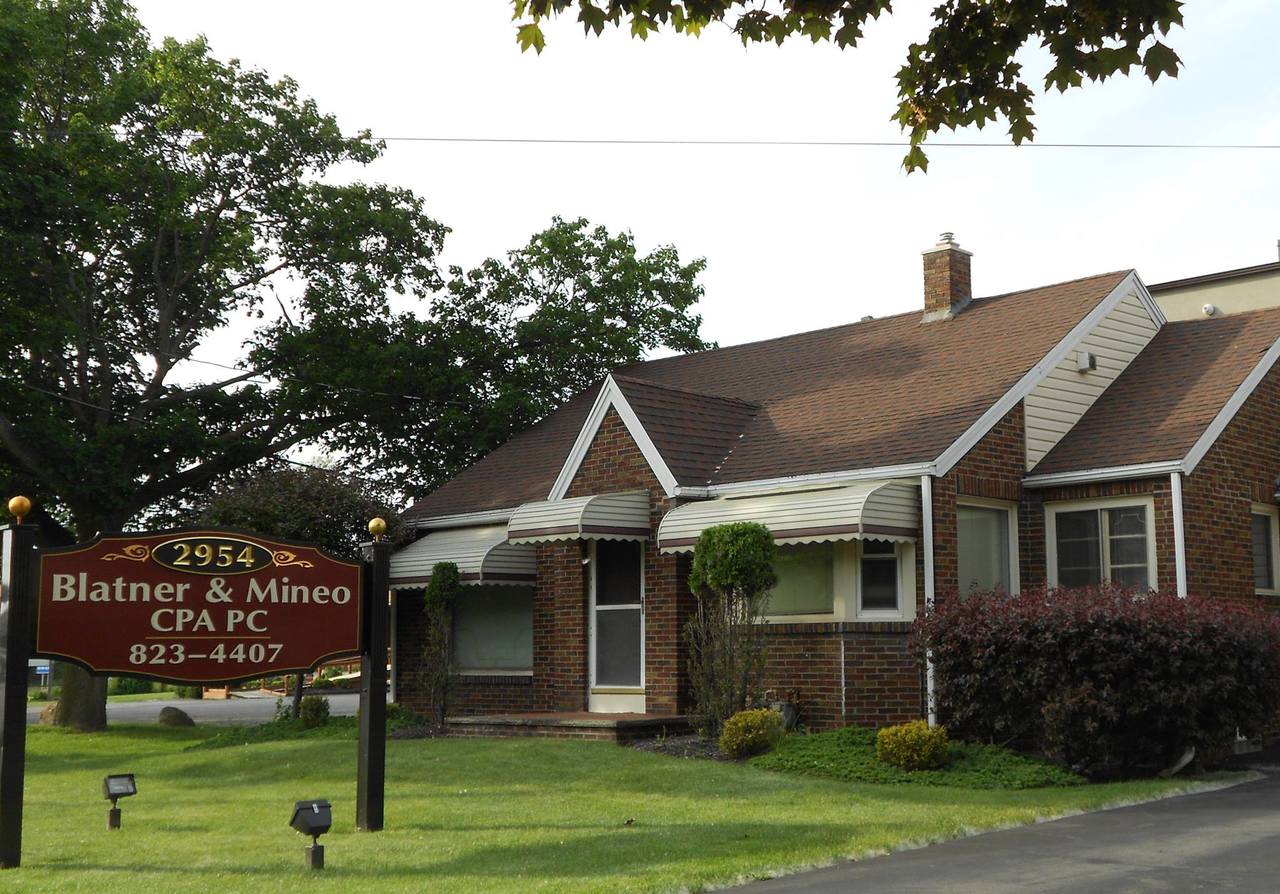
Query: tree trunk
{"points": [[297, 696], [83, 702]]}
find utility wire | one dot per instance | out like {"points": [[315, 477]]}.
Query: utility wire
{"points": [[839, 144]]}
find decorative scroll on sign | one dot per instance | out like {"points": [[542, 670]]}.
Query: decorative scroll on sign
{"points": [[197, 606]]}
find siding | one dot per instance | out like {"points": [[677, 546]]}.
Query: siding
{"points": [[1057, 403]]}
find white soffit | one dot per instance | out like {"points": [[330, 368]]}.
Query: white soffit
{"points": [[867, 510], [482, 554], [622, 516]]}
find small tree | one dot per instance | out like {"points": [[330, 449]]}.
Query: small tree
{"points": [[437, 635], [732, 575]]}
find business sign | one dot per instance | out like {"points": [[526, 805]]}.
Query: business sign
{"points": [[196, 606]]}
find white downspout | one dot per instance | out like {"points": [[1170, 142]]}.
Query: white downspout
{"points": [[1179, 537], [926, 512]]}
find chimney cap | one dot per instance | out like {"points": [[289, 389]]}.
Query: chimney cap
{"points": [[947, 242]]}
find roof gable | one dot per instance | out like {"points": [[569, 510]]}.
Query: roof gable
{"points": [[1171, 403]]}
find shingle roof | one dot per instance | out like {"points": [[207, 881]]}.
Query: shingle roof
{"points": [[693, 431], [1162, 403], [882, 392]]}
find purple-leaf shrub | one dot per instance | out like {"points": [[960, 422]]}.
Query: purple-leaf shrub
{"points": [[1107, 679]]}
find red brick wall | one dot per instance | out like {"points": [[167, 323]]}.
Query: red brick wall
{"points": [[560, 628], [1238, 470]]}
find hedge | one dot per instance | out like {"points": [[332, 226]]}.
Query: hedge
{"points": [[1109, 680]]}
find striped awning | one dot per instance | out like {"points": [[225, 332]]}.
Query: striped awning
{"points": [[483, 556], [598, 517], [867, 510]]}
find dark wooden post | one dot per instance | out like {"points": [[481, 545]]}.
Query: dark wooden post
{"points": [[371, 773], [17, 599]]}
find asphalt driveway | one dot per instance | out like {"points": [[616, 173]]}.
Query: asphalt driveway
{"points": [[1225, 840], [227, 711]]}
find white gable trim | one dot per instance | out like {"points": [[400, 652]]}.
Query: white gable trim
{"points": [[976, 432], [611, 396], [816, 479], [1231, 407], [1110, 473]]}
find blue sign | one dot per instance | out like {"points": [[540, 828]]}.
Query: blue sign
{"points": [[42, 669]]}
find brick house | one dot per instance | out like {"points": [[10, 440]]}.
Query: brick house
{"points": [[1061, 435]]}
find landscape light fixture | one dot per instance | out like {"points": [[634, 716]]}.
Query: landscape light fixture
{"points": [[114, 787], [312, 818]]}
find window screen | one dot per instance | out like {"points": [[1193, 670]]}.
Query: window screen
{"points": [[983, 534], [879, 576], [618, 569], [1103, 544], [1263, 560], [493, 628], [806, 580]]}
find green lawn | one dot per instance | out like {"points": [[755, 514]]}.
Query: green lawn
{"points": [[467, 815], [167, 695]]}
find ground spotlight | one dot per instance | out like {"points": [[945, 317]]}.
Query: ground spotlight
{"points": [[114, 787], [312, 818]]}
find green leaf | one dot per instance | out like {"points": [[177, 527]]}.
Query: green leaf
{"points": [[530, 36], [916, 160], [1160, 59]]}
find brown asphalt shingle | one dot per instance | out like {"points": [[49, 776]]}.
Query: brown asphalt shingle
{"points": [[1163, 402], [881, 392]]}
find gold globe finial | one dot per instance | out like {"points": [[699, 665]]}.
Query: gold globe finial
{"points": [[19, 507], [378, 527]]}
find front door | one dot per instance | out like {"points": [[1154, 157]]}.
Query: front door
{"points": [[617, 626]]}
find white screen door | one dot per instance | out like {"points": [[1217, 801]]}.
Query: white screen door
{"points": [[617, 626]]}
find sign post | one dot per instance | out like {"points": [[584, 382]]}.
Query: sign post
{"points": [[372, 754], [17, 555]]}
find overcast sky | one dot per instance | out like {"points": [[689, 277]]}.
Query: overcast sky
{"points": [[795, 238]]}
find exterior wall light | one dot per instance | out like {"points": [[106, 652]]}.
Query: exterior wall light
{"points": [[312, 818], [120, 785]]}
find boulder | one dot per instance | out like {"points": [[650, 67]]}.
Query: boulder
{"points": [[47, 712], [171, 716]]}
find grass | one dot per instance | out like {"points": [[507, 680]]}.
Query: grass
{"points": [[168, 694], [849, 755], [468, 815]]}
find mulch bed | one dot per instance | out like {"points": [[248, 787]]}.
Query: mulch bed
{"points": [[683, 746]]}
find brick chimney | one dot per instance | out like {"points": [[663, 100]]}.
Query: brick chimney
{"points": [[947, 287]]}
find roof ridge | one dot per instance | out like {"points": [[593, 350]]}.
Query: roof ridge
{"points": [[682, 390]]}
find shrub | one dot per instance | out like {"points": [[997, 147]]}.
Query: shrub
{"points": [[314, 711], [751, 732], [437, 640], [1106, 679], [732, 575], [913, 746], [129, 686], [188, 692]]}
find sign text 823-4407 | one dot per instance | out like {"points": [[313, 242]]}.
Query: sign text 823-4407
{"points": [[197, 606]]}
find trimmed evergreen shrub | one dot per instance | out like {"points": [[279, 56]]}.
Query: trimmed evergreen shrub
{"points": [[751, 732], [1108, 680], [913, 746], [129, 686]]}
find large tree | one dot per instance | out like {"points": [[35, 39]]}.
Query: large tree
{"points": [[152, 196], [964, 72]]}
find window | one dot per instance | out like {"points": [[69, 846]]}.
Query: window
{"points": [[617, 643], [1103, 544], [985, 561], [806, 580], [1264, 547], [493, 629], [878, 577]]}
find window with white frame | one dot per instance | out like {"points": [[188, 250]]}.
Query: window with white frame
{"points": [[1266, 540], [878, 578], [986, 543], [1095, 544]]}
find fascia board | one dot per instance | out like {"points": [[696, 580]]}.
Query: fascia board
{"points": [[1110, 473], [737, 488], [464, 519]]}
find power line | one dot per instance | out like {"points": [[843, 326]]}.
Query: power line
{"points": [[765, 143]]}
